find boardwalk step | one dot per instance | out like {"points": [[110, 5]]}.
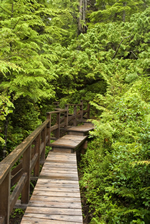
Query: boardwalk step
{"points": [[80, 130], [68, 143]]}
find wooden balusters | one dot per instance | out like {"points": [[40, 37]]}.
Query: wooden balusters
{"points": [[58, 122], [37, 150], [81, 110], [26, 169], [5, 198], [43, 145], [88, 110], [75, 116], [66, 115], [48, 137]]}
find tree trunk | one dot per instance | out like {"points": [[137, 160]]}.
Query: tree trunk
{"points": [[124, 12], [5, 136], [82, 14]]}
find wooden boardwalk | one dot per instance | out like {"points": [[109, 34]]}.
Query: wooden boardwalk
{"points": [[56, 197]]}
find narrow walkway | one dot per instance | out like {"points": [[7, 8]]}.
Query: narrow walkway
{"points": [[56, 197]]}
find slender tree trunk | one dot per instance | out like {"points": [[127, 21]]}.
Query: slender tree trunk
{"points": [[6, 122], [82, 14], [124, 12]]}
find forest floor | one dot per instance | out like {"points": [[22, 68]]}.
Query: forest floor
{"points": [[16, 216]]}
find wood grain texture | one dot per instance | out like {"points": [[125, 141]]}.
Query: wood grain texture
{"points": [[30, 220], [55, 217], [69, 141], [56, 196]]}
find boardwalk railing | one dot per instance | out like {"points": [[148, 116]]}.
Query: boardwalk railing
{"points": [[29, 155]]}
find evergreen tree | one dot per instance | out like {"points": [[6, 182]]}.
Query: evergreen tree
{"points": [[117, 10]]}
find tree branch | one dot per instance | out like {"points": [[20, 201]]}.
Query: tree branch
{"points": [[120, 45]]}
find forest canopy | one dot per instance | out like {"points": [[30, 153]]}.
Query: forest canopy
{"points": [[92, 50]]}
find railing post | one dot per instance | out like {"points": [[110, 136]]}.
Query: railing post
{"points": [[43, 140], [37, 150], [5, 198], [49, 128], [81, 109], [75, 115], [58, 129], [26, 169], [66, 115], [88, 111]]}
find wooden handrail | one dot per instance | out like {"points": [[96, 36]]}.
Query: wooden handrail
{"points": [[30, 158]]}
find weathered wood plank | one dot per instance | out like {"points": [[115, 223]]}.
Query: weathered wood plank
{"points": [[56, 176], [82, 128], [61, 186], [48, 188], [54, 211], [59, 170], [53, 204], [30, 220], [59, 160], [55, 217], [57, 181], [69, 141], [51, 154], [55, 199], [59, 165], [57, 194]]}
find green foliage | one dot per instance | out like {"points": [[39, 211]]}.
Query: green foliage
{"points": [[6, 107], [42, 59], [116, 164], [117, 10], [115, 181]]}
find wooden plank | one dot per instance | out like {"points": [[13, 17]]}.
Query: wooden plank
{"points": [[62, 158], [55, 217], [64, 189], [54, 211], [69, 141], [59, 159], [30, 220], [57, 176], [70, 165], [61, 185], [57, 184], [50, 154], [56, 199], [57, 194], [57, 181], [59, 168], [53, 204], [82, 128], [54, 170], [59, 149]]}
